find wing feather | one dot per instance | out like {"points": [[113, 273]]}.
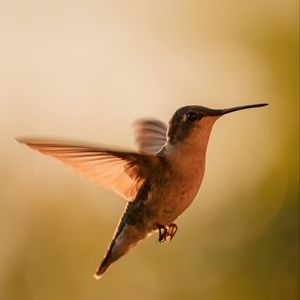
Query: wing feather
{"points": [[123, 172], [150, 135]]}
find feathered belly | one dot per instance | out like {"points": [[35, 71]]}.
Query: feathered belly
{"points": [[170, 200]]}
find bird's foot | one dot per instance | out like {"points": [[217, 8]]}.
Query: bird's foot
{"points": [[166, 233]]}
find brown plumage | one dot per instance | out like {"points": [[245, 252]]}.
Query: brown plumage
{"points": [[159, 181]]}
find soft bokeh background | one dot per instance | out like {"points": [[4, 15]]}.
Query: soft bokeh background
{"points": [[86, 70]]}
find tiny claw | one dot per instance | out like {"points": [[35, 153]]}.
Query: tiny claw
{"points": [[172, 230], [166, 233]]}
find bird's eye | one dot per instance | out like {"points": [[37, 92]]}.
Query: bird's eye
{"points": [[191, 116]]}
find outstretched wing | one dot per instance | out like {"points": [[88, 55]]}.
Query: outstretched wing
{"points": [[123, 172], [150, 135]]}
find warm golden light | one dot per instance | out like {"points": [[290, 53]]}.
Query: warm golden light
{"points": [[86, 71]]}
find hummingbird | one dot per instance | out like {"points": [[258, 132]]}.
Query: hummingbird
{"points": [[159, 181]]}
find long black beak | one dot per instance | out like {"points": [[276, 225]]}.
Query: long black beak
{"points": [[220, 112]]}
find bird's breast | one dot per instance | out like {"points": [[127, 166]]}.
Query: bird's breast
{"points": [[175, 190]]}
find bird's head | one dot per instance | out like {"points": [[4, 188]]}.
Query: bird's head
{"points": [[195, 120]]}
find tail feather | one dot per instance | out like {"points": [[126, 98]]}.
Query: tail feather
{"points": [[103, 267], [106, 262], [123, 241]]}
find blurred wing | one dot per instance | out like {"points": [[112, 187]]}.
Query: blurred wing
{"points": [[123, 172], [150, 135]]}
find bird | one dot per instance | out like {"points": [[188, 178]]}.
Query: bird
{"points": [[159, 180]]}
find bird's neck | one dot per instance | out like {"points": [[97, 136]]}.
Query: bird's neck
{"points": [[191, 151]]}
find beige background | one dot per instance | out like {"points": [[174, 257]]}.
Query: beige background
{"points": [[86, 70]]}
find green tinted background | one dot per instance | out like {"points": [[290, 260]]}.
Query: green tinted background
{"points": [[86, 70]]}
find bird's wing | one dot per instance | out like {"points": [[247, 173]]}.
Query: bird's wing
{"points": [[123, 172], [150, 135]]}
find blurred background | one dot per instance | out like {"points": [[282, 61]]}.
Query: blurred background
{"points": [[87, 70]]}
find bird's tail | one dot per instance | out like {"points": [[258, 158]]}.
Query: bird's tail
{"points": [[121, 244], [103, 267], [113, 253], [108, 259]]}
